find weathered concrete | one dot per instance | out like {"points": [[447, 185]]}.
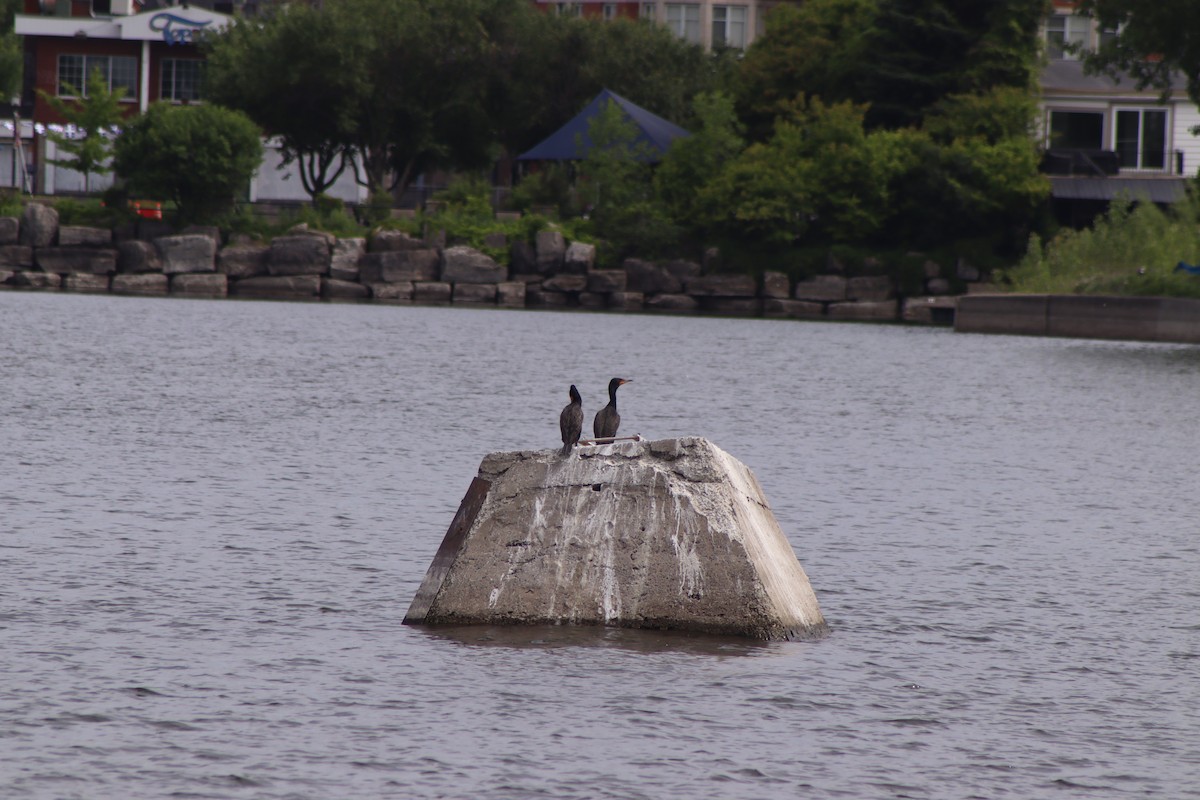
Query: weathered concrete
{"points": [[463, 264], [475, 293], [579, 259], [38, 226], [875, 310], [200, 284], [510, 294], [435, 292], [822, 288], [85, 282], [244, 260], [1002, 313], [135, 256], [282, 287], [343, 263], [776, 285], [301, 254], [394, 292], [666, 534], [565, 283], [63, 260], [337, 289], [792, 309], [626, 301], [84, 236], [397, 266], [16, 255], [606, 281], [1150, 319], [191, 252], [149, 283], [10, 230]]}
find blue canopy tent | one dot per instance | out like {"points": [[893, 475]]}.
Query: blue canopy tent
{"points": [[571, 142]]}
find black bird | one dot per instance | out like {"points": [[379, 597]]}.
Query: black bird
{"points": [[570, 421], [607, 419]]}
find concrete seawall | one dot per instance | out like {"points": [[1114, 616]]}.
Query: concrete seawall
{"points": [[670, 534], [1150, 319]]}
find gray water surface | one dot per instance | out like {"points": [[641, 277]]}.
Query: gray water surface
{"points": [[213, 516]]}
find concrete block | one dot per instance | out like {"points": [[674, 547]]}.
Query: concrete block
{"points": [[200, 284], [869, 311], [150, 283], [1002, 313], [431, 292], [669, 534]]}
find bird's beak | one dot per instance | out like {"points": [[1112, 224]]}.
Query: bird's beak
{"points": [[625, 381]]}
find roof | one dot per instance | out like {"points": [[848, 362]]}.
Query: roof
{"points": [[1156, 190], [1062, 77], [571, 141]]}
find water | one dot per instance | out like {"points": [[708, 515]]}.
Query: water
{"points": [[213, 516]]}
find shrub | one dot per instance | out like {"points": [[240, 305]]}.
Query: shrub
{"points": [[200, 157]]}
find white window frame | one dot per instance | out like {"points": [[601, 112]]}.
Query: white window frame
{"points": [[1063, 30], [1139, 142], [609, 11], [88, 63], [729, 26], [171, 92], [683, 19]]}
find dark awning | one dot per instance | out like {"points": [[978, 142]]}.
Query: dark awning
{"points": [[1156, 190], [571, 141]]}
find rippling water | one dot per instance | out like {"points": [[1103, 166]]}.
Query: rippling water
{"points": [[213, 516]]}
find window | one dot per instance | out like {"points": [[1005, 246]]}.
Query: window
{"points": [[684, 20], [1076, 130], [1142, 138], [1063, 33], [568, 9], [649, 11], [102, 7], [610, 11], [181, 79], [729, 26], [119, 72]]}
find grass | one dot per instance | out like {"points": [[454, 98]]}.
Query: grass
{"points": [[1131, 250]]}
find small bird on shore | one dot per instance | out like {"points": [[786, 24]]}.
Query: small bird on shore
{"points": [[570, 421], [607, 419]]}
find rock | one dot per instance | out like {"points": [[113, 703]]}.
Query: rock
{"points": [[821, 288], [671, 302], [792, 309], [607, 280], [579, 258], [937, 286], [6, 276], [776, 284], [343, 261], [475, 293], [869, 288], [932, 269], [526, 277], [243, 260], [649, 278], [193, 252], [468, 265], [523, 259], [282, 287], [436, 292], [626, 301], [385, 241], [872, 310], [35, 280], [929, 310], [681, 270], [965, 271], [397, 292], [145, 284], [211, 231], [565, 283], [338, 289], [16, 255], [85, 282], [670, 534], [721, 286], [551, 251], [592, 300], [39, 225], [541, 298], [300, 254], [200, 284], [135, 256], [83, 236], [495, 241], [510, 294], [393, 266], [91, 260], [732, 306], [10, 230]]}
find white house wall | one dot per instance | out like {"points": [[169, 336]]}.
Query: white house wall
{"points": [[272, 184], [1187, 116]]}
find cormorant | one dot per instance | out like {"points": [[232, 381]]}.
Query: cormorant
{"points": [[570, 421], [607, 419]]}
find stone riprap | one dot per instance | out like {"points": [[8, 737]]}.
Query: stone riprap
{"points": [[36, 252], [670, 534]]}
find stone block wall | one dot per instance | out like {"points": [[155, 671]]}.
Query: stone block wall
{"points": [[36, 253]]}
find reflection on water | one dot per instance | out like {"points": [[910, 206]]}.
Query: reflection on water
{"points": [[214, 515]]}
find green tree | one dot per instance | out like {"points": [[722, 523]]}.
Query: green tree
{"points": [[616, 186], [693, 161], [11, 54], [200, 157], [92, 121], [816, 49], [279, 73], [1154, 39], [400, 83]]}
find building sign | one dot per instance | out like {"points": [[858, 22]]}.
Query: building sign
{"points": [[177, 29]]}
